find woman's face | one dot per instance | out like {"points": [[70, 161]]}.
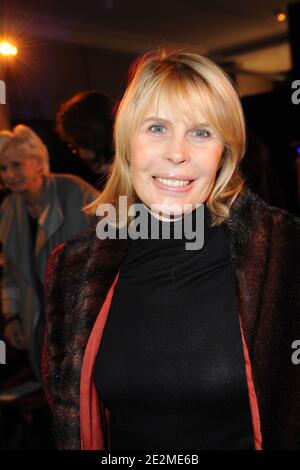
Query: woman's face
{"points": [[174, 161], [20, 174]]}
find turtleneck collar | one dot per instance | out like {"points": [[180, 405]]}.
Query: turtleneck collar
{"points": [[178, 231]]}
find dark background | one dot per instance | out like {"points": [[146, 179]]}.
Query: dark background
{"points": [[69, 46]]}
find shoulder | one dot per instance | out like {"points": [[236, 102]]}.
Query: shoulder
{"points": [[76, 246], [65, 263], [76, 254], [257, 227], [282, 218], [251, 209], [278, 218], [73, 183], [84, 256]]}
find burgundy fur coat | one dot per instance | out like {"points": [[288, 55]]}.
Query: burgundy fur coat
{"points": [[265, 251]]}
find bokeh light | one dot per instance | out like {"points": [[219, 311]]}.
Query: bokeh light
{"points": [[7, 49]]}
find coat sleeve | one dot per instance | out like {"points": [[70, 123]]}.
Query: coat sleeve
{"points": [[9, 290], [64, 408], [9, 278]]}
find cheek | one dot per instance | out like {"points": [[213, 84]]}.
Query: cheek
{"points": [[210, 164], [142, 155], [33, 169], [27, 173]]}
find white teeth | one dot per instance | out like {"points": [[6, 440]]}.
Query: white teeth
{"points": [[173, 183]]}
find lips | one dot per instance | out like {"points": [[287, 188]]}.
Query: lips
{"points": [[175, 177], [178, 184]]}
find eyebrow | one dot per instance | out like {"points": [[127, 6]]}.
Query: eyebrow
{"points": [[158, 119]]}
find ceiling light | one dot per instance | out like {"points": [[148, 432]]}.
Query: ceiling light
{"points": [[280, 15], [7, 49]]}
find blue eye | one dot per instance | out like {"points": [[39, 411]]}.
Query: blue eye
{"points": [[157, 129], [202, 133]]}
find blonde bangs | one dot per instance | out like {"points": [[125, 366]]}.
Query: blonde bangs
{"points": [[190, 96]]}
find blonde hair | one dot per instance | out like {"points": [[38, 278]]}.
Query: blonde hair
{"points": [[187, 82], [25, 139]]}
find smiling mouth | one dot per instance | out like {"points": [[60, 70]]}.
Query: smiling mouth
{"points": [[173, 183]]}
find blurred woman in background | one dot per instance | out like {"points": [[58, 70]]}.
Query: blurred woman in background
{"points": [[42, 211]]}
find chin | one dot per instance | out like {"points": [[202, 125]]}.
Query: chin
{"points": [[169, 210], [167, 218]]}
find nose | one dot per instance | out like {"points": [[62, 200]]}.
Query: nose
{"points": [[178, 149]]}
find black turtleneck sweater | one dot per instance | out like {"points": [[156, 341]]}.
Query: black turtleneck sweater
{"points": [[170, 366]]}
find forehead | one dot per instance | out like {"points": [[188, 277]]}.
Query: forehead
{"points": [[176, 105], [173, 115], [11, 155]]}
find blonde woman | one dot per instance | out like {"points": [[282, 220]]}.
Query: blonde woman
{"points": [[42, 211], [151, 345]]}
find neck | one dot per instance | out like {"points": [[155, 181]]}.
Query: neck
{"points": [[161, 217], [35, 194]]}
